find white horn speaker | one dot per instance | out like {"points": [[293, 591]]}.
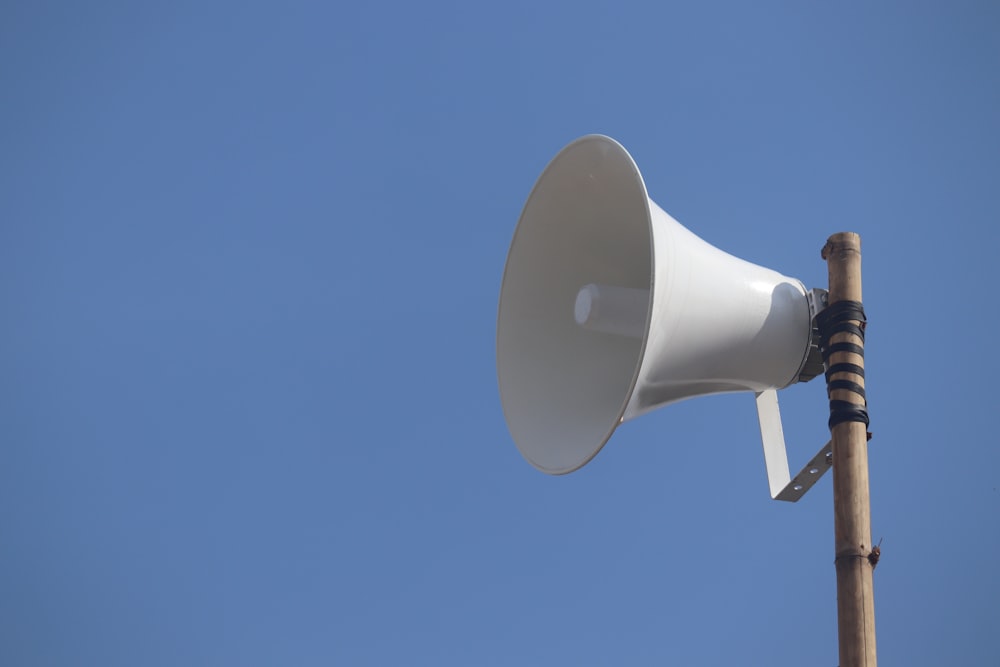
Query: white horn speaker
{"points": [[610, 308]]}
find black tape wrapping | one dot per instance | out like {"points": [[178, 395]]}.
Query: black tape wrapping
{"points": [[842, 411], [839, 318], [845, 384], [841, 311], [844, 347], [844, 368], [841, 327]]}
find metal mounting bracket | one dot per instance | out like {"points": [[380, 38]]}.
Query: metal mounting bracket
{"points": [[783, 486], [817, 299]]}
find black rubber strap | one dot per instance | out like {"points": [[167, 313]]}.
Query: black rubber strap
{"points": [[845, 384], [840, 317], [842, 411], [841, 311], [844, 368], [843, 347], [840, 327]]}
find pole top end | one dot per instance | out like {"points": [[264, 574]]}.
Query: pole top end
{"points": [[842, 242]]}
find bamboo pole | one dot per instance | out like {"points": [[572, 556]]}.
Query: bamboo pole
{"points": [[851, 501]]}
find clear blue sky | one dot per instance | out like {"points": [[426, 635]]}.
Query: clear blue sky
{"points": [[250, 257]]}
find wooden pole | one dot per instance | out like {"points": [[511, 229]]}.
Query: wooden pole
{"points": [[851, 501]]}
